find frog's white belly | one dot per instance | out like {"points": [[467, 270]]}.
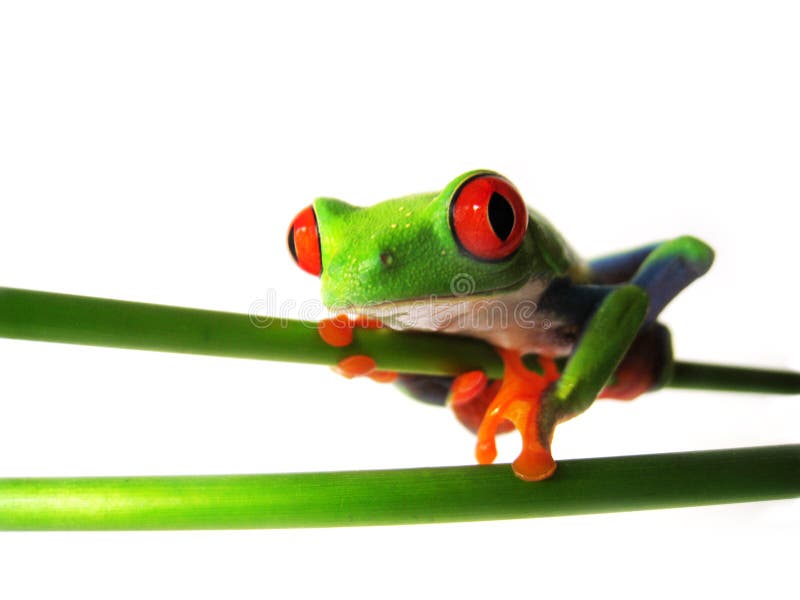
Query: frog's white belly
{"points": [[508, 320]]}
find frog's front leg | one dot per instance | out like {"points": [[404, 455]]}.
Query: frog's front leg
{"points": [[536, 401]]}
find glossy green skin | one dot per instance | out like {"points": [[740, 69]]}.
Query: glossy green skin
{"points": [[403, 249]]}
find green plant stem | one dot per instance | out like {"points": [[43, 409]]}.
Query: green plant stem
{"points": [[393, 497], [370, 497], [697, 376], [50, 317]]}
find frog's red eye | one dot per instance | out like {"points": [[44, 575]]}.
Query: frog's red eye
{"points": [[304, 241], [488, 217]]}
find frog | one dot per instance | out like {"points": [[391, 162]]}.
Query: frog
{"points": [[475, 259]]}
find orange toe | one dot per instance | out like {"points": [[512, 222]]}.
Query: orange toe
{"points": [[355, 366], [336, 331], [534, 466], [383, 376], [466, 386]]}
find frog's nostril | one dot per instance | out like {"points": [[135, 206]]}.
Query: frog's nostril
{"points": [[387, 259]]}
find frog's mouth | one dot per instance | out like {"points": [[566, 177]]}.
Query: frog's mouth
{"points": [[457, 312]]}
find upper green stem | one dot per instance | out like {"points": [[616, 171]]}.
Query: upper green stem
{"points": [[45, 316]]}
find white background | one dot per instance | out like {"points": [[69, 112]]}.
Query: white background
{"points": [[157, 151]]}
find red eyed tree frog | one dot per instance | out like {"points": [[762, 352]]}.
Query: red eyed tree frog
{"points": [[474, 260]]}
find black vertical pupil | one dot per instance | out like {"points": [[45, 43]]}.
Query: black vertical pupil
{"points": [[501, 216], [292, 248]]}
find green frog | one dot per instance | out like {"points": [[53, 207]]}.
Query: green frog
{"points": [[474, 260]]}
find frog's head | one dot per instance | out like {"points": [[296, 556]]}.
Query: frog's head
{"points": [[474, 237]]}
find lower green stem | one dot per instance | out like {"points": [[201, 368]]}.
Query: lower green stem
{"points": [[430, 495]]}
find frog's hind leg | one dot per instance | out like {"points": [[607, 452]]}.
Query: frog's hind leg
{"points": [[646, 366], [662, 270], [618, 267], [666, 270], [670, 268]]}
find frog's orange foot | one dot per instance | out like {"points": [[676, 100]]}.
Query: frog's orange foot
{"points": [[338, 332], [522, 400]]}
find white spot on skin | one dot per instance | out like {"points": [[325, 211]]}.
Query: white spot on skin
{"points": [[394, 225], [408, 225]]}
